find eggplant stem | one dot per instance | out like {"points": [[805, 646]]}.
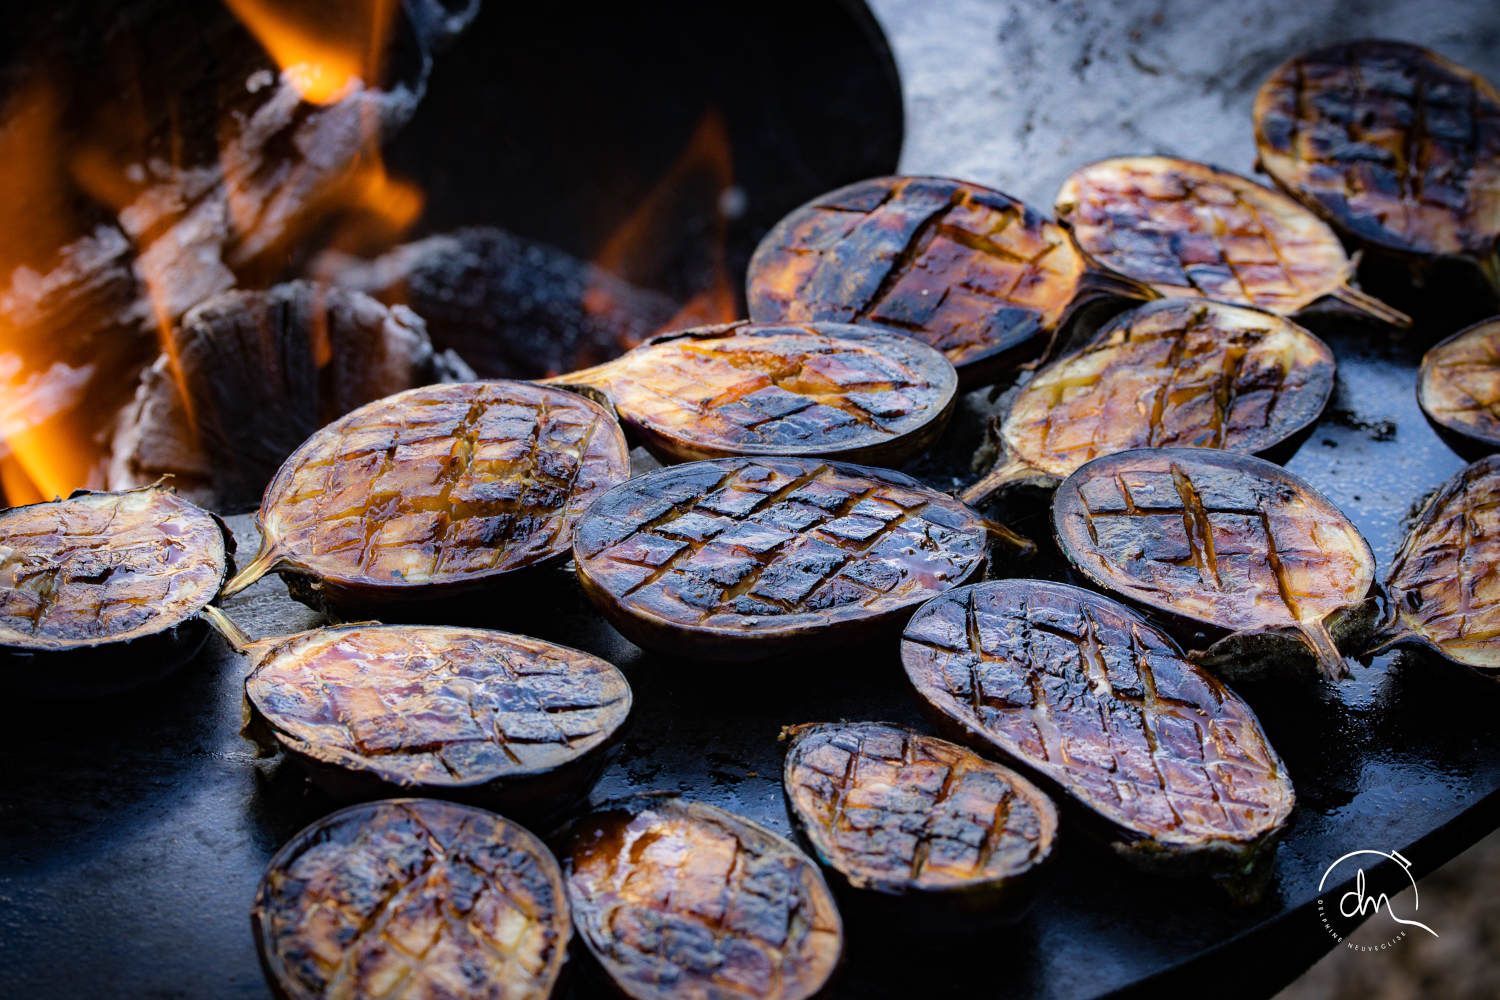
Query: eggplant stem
{"points": [[1023, 546], [1003, 475], [1369, 305], [1489, 266], [1100, 282], [265, 560], [1383, 640], [1331, 662], [225, 626]]}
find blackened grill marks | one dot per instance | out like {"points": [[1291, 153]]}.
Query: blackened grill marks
{"points": [[1090, 705], [916, 243]]}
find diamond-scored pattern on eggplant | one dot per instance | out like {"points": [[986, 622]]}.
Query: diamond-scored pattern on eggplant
{"points": [[1187, 228], [104, 566], [716, 543], [1216, 541], [1191, 374], [1445, 584], [687, 900], [965, 269], [1460, 382], [891, 807], [430, 705], [416, 898], [444, 483], [1090, 695], [1390, 141], [786, 388]]}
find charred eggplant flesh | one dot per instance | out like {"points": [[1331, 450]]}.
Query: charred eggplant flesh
{"points": [[1089, 695], [740, 558], [975, 273], [438, 710], [1441, 585], [80, 578], [412, 898], [1190, 229], [1394, 145], [904, 813], [1175, 373], [1459, 383], [435, 490], [684, 900], [1226, 540], [824, 389]]}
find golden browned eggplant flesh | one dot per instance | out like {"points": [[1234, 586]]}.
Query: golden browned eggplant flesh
{"points": [[412, 898], [1390, 142], [1175, 373], [1187, 228], [439, 486], [743, 557], [970, 271], [901, 812], [435, 708], [105, 567], [1459, 383], [757, 389], [686, 901], [1089, 695], [1443, 584], [1219, 538]]}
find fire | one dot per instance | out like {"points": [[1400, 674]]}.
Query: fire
{"points": [[700, 182], [299, 169], [325, 50]]}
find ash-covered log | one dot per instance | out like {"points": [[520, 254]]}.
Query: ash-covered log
{"points": [[512, 307], [251, 374]]}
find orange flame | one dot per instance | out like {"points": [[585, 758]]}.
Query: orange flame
{"points": [[705, 168], [325, 50]]}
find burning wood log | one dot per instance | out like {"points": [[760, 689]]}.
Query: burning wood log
{"points": [[513, 308], [249, 375]]}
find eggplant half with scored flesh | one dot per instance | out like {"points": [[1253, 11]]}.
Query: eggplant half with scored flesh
{"points": [[743, 558], [1394, 145], [434, 492], [1225, 540], [826, 389], [1175, 373], [103, 592], [503, 719], [686, 901], [906, 814], [1106, 708], [1458, 385], [1189, 229], [978, 275], [412, 898], [1442, 584]]}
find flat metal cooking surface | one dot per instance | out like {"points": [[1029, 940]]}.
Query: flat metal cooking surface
{"points": [[132, 833]]}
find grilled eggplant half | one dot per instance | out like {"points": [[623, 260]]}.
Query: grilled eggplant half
{"points": [[906, 814], [1090, 696], [1394, 145], [1180, 372], [825, 389], [1222, 539], [1440, 592], [742, 558], [1458, 385], [412, 898], [1189, 229], [103, 592], [510, 721], [435, 491], [975, 273], [683, 900]]}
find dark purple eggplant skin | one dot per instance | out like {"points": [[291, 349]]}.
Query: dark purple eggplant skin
{"points": [[95, 670]]}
